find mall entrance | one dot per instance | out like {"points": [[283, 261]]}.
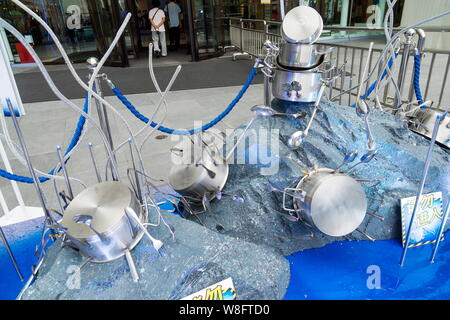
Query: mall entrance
{"points": [[86, 28]]}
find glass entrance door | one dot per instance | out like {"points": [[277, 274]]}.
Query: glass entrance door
{"points": [[106, 16], [206, 28]]}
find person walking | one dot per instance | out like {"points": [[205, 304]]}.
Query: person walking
{"points": [[157, 19], [174, 10]]}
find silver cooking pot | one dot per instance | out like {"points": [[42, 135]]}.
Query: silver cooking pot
{"points": [[97, 224], [201, 171], [332, 202], [423, 123], [298, 85], [306, 56]]}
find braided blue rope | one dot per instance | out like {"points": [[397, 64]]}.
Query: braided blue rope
{"points": [[417, 60], [210, 124], [374, 85], [72, 144]]}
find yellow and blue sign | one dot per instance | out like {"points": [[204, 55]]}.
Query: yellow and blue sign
{"points": [[223, 290], [427, 221]]}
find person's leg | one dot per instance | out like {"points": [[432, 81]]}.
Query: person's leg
{"points": [[172, 36], [177, 38], [155, 38], [162, 38]]}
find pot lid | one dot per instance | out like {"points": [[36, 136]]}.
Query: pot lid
{"points": [[338, 205], [101, 206], [302, 24]]}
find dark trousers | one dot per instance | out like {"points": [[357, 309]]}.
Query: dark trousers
{"points": [[174, 35]]}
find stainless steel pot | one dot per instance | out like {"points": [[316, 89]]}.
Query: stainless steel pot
{"points": [[298, 85], [202, 171], [305, 56], [97, 224], [423, 123], [332, 202]]}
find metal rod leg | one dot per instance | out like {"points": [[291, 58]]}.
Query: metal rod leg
{"points": [[91, 152], [10, 254], [230, 153], [422, 184], [29, 164], [64, 170], [267, 93], [441, 231], [136, 176], [132, 265]]}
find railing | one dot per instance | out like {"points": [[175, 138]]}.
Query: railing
{"points": [[248, 36]]}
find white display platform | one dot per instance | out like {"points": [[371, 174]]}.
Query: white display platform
{"points": [[20, 214]]}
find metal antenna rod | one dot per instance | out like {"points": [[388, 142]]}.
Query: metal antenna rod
{"points": [[422, 185], [230, 153], [447, 212], [29, 164], [64, 170], [136, 176], [441, 230], [10, 254], [91, 152]]}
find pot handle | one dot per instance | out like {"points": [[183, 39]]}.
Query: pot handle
{"points": [[157, 244], [327, 51], [86, 219]]}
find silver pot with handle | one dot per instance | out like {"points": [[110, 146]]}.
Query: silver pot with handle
{"points": [[423, 123], [96, 221], [200, 171], [331, 202], [297, 85], [306, 56]]}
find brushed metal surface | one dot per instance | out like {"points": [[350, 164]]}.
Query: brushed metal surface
{"points": [[423, 124], [97, 223], [296, 86], [299, 55], [193, 180], [334, 203], [302, 24], [105, 202]]}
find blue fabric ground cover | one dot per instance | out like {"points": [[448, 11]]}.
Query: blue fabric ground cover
{"points": [[336, 271], [23, 249], [339, 271]]}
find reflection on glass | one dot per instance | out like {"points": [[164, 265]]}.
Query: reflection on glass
{"points": [[84, 28]]}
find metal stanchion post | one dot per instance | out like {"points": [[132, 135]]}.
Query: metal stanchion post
{"points": [[267, 91], [101, 110], [418, 51]]}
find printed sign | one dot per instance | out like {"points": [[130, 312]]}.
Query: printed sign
{"points": [[427, 221], [223, 290], [8, 86], [265, 1]]}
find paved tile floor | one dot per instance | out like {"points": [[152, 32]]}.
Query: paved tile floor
{"points": [[51, 123]]}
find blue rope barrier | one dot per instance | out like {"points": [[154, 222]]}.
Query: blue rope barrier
{"points": [[417, 60], [210, 124], [72, 144], [374, 85]]}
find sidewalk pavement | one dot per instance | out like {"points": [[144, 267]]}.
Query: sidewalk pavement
{"points": [[51, 123]]}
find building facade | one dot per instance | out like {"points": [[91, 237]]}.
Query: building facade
{"points": [[86, 27]]}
